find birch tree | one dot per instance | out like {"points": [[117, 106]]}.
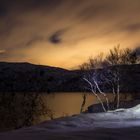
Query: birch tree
{"points": [[102, 81]]}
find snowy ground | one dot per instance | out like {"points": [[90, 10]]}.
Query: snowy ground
{"points": [[119, 125]]}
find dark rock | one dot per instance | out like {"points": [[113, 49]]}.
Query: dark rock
{"points": [[96, 108]]}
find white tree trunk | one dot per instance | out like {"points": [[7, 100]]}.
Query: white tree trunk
{"points": [[92, 90]]}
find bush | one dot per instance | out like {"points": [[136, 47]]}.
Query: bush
{"points": [[20, 109], [116, 56]]}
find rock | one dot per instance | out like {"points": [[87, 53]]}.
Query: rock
{"points": [[96, 108]]}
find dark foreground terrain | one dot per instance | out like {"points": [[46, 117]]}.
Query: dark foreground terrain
{"points": [[95, 134]]}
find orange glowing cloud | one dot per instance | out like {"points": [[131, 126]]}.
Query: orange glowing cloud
{"points": [[66, 33]]}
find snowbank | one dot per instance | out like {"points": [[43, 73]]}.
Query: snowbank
{"points": [[119, 124], [113, 119]]}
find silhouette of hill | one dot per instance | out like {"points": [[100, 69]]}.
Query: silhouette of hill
{"points": [[26, 77], [22, 77]]}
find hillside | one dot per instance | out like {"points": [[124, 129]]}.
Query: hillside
{"points": [[21, 77], [28, 77]]}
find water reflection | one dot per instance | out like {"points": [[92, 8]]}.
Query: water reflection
{"points": [[65, 104]]}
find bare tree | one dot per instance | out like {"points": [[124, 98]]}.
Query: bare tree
{"points": [[113, 58], [119, 56], [111, 80], [84, 96], [21, 109], [92, 63], [94, 82], [110, 74], [100, 80]]}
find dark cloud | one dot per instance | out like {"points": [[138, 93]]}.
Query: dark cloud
{"points": [[3, 11], [29, 4], [133, 27], [57, 36], [5, 6], [46, 3]]}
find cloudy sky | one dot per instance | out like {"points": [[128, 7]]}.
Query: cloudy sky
{"points": [[65, 33]]}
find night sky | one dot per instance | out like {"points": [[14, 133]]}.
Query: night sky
{"points": [[66, 33]]}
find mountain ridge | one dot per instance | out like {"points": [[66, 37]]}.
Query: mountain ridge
{"points": [[26, 77], [30, 77]]}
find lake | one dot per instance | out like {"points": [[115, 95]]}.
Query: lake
{"points": [[69, 103], [21, 109]]}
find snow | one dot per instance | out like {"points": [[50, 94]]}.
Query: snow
{"points": [[111, 119], [119, 124]]}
